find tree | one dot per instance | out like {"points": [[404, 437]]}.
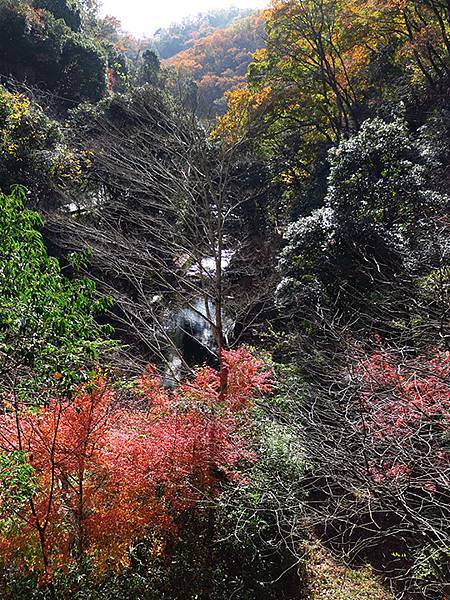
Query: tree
{"points": [[378, 205], [108, 473], [89, 14], [423, 31], [219, 61], [48, 328], [67, 10], [369, 342], [151, 68], [38, 48], [306, 79], [27, 138], [168, 219], [35, 152], [329, 65], [179, 36], [376, 451], [82, 70]]}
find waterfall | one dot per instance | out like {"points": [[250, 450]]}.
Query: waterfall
{"points": [[193, 326]]}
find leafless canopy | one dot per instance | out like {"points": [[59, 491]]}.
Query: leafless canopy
{"points": [[161, 222]]}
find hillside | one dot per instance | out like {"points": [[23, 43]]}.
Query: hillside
{"points": [[218, 61], [211, 49], [224, 332], [169, 41]]}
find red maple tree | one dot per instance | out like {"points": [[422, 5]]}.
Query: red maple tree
{"points": [[108, 474]]}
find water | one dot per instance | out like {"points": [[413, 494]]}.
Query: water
{"points": [[193, 326], [194, 332]]}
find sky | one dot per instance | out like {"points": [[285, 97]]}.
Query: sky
{"points": [[144, 17]]}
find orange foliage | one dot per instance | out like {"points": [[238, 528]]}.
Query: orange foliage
{"points": [[219, 61], [109, 474], [321, 62]]}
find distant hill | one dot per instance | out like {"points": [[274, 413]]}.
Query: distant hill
{"points": [[218, 61], [212, 49], [181, 36]]}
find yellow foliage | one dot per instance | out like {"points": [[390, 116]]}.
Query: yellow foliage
{"points": [[316, 71], [70, 167], [243, 106], [14, 109], [27, 134]]}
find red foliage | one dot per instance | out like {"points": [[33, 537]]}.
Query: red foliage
{"points": [[111, 79], [403, 397], [109, 475], [406, 417]]}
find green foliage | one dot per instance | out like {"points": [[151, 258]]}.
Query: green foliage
{"points": [[67, 10], [82, 70], [151, 67], [377, 193], [30, 145], [17, 485], [37, 45], [236, 570], [367, 251], [426, 561], [48, 331], [380, 174]]}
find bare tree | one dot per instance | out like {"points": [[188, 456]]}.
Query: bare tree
{"points": [[368, 407], [164, 227]]}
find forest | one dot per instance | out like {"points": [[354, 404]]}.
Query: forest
{"points": [[225, 303]]}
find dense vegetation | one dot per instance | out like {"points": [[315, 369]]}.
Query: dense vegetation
{"points": [[224, 346], [218, 62], [179, 37]]}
